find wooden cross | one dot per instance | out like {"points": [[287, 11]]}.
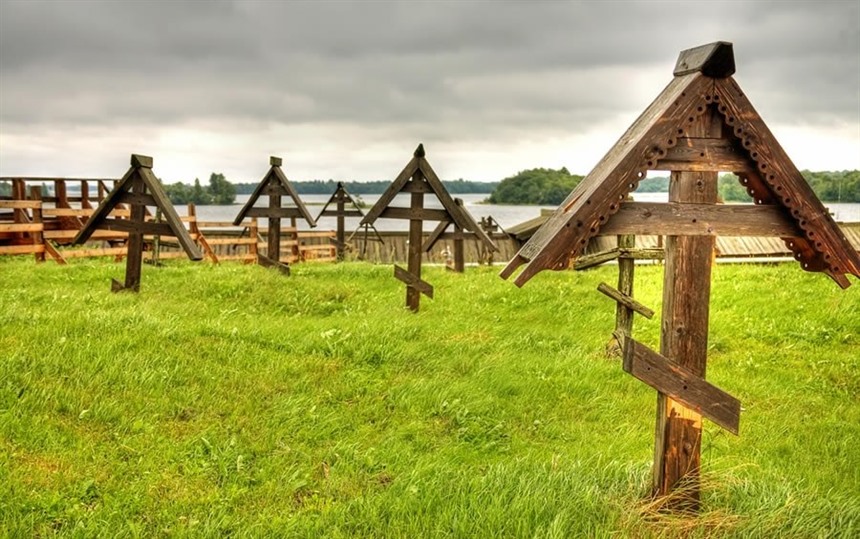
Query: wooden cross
{"points": [[701, 123], [276, 185], [139, 188], [341, 197], [418, 179]]}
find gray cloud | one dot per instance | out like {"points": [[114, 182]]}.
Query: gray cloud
{"points": [[496, 72]]}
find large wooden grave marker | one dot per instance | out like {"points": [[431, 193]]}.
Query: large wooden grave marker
{"points": [[418, 179], [275, 185], [701, 124], [139, 188], [341, 198]]}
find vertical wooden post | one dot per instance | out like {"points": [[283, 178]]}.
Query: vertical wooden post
{"points": [[459, 255], [416, 233], [341, 225], [135, 241], [684, 336], [254, 232], [156, 240], [38, 236], [85, 195], [61, 194], [274, 251], [623, 314]]}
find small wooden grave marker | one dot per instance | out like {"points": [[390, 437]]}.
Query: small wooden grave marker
{"points": [[341, 197], [701, 124], [139, 188], [275, 185], [418, 179]]}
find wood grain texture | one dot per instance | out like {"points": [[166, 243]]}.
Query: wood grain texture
{"points": [[627, 302], [682, 385], [690, 219], [412, 282]]}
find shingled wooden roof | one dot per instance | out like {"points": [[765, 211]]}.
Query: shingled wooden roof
{"points": [[658, 140]]}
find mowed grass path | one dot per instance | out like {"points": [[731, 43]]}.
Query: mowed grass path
{"points": [[233, 401]]}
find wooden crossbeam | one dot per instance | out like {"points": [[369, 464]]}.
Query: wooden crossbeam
{"points": [[682, 385], [267, 262], [625, 300], [413, 282], [423, 214], [690, 219]]}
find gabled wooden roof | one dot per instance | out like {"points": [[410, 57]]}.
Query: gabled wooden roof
{"points": [[140, 187], [418, 175], [275, 183], [658, 140]]}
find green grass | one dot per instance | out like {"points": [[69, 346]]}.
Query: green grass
{"points": [[232, 401]]}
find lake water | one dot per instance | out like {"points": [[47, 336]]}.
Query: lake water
{"points": [[505, 215]]}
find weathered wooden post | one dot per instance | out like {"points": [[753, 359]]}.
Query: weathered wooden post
{"points": [[274, 184], [418, 179], [701, 124], [138, 188]]}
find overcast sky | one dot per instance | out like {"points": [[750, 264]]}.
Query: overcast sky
{"points": [[346, 90]]}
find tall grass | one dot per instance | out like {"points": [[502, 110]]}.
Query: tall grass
{"points": [[231, 400]]}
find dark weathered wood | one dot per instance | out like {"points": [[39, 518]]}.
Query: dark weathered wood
{"points": [[277, 212], [346, 213], [412, 282], [662, 219], [391, 192], [684, 336], [589, 261], [435, 236], [834, 254], [459, 258], [625, 300], [413, 213], [682, 385], [597, 196], [704, 155], [106, 206], [134, 243], [413, 297], [715, 60], [141, 161], [626, 269]]}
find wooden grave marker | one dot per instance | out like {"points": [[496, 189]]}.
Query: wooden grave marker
{"points": [[701, 124], [139, 188], [341, 198], [275, 185], [418, 179]]}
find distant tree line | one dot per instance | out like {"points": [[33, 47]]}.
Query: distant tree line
{"points": [[320, 187], [543, 186], [218, 192]]}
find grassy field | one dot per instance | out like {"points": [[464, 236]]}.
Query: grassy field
{"points": [[232, 401]]}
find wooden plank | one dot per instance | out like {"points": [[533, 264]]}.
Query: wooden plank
{"points": [[684, 336], [279, 213], [20, 204], [346, 213], [153, 186], [231, 241], [21, 249], [704, 155], [267, 262], [22, 227], [682, 385], [434, 236], [66, 212], [392, 190], [142, 199], [96, 235], [591, 203], [689, 219], [413, 282], [829, 251], [106, 206], [589, 261], [716, 60], [303, 211], [419, 186], [423, 214], [254, 196], [413, 292], [627, 301]]}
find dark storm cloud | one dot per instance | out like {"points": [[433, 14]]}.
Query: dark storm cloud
{"points": [[466, 70]]}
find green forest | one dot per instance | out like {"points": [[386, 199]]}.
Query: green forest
{"points": [[377, 187], [218, 192], [545, 186]]}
